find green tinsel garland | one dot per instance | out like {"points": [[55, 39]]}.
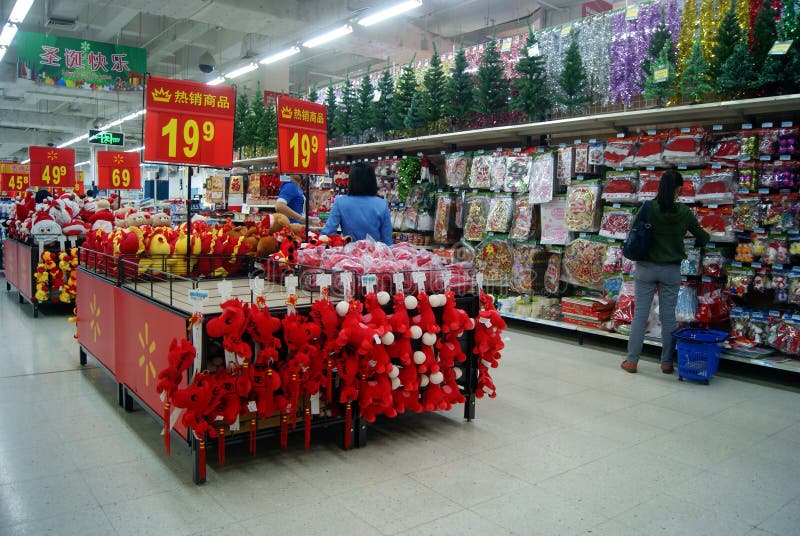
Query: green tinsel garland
{"points": [[408, 172]]}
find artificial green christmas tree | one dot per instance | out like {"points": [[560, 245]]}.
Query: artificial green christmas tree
{"points": [[530, 86], [330, 105], [345, 112], [738, 76], [364, 110], [459, 89], [415, 119], [268, 129], [728, 36], [574, 88], [765, 31], [313, 95], [660, 37], [240, 121], [695, 84], [383, 107], [491, 85], [435, 96], [256, 126], [660, 81], [403, 95]]}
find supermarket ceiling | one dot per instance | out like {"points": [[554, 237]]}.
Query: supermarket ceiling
{"points": [[179, 35]]}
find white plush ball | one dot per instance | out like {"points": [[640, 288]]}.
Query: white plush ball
{"points": [[438, 300], [383, 297], [395, 383], [388, 338], [394, 372], [416, 332], [437, 378], [423, 380], [342, 307], [411, 302], [429, 339], [419, 357], [458, 372]]}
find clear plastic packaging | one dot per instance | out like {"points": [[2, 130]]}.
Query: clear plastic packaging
{"points": [[565, 169], [686, 306], [518, 170], [524, 224], [480, 175], [583, 263], [498, 171], [650, 150], [619, 152], [620, 186], [541, 179], [616, 222], [686, 146], [445, 205], [501, 210], [716, 187], [476, 210], [456, 166], [583, 206]]}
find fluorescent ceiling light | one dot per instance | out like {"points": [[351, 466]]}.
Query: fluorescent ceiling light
{"points": [[132, 116], [278, 56], [136, 150], [85, 162], [242, 70], [20, 11], [114, 123], [389, 12], [73, 141], [217, 81], [328, 36], [7, 35], [26, 161]]}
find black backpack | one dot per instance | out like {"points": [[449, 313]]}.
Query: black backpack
{"points": [[637, 245]]}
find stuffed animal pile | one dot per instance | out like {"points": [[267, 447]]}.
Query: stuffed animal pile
{"points": [[384, 356]]}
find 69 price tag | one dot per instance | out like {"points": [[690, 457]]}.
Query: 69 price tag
{"points": [[118, 171]]}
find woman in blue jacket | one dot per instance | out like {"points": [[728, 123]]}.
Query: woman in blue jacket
{"points": [[361, 212]]}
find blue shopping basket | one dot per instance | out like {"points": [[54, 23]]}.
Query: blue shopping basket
{"points": [[698, 353]]}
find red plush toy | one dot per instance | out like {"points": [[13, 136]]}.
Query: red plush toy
{"points": [[454, 320], [425, 318], [355, 334], [375, 398], [265, 382], [449, 350], [179, 358], [262, 327], [230, 326], [434, 398], [400, 348], [376, 317], [450, 388]]}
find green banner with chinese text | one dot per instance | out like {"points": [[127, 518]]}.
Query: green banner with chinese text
{"points": [[79, 63]]}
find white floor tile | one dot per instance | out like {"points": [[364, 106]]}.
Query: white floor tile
{"points": [[463, 523], [323, 518], [784, 521], [666, 515], [36, 500], [396, 505], [84, 522]]}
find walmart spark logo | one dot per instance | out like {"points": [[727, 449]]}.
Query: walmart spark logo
{"points": [[118, 159], [148, 350], [52, 155], [94, 323]]}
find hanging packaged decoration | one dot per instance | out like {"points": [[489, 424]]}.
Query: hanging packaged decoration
{"points": [[789, 142], [527, 258], [501, 210], [650, 150], [619, 152], [726, 149], [597, 154], [541, 180], [616, 222], [456, 167], [582, 206], [686, 306], [523, 226], [443, 218], [748, 144], [476, 209], [621, 186], [612, 264], [480, 175], [498, 171], [518, 169], [716, 187], [739, 280], [686, 146], [623, 311], [565, 168], [718, 221], [582, 158], [583, 262], [494, 258], [552, 275], [553, 219], [648, 185], [691, 264]]}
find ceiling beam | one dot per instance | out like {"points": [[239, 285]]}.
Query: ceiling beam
{"points": [[42, 121]]}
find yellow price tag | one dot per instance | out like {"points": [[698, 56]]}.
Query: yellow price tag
{"points": [[780, 48], [121, 177], [566, 30], [631, 12], [660, 75]]}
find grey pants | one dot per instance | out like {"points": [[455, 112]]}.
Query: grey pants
{"points": [[667, 279]]}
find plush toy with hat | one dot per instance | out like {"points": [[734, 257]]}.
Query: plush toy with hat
{"points": [[400, 323], [375, 398], [454, 320], [263, 327], [355, 334]]}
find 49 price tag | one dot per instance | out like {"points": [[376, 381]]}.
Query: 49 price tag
{"points": [[51, 167], [118, 171], [302, 136], [14, 177], [188, 123]]}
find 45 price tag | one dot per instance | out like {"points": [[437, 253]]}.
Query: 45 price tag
{"points": [[14, 177]]}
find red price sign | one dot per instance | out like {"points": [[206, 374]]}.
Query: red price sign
{"points": [[188, 123], [80, 186], [118, 171], [51, 167], [302, 136], [14, 177]]}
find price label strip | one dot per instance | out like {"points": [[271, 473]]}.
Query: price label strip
{"points": [[398, 279], [324, 284], [290, 284], [419, 280]]}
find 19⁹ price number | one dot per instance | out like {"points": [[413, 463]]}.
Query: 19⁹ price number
{"points": [[189, 134], [303, 147]]}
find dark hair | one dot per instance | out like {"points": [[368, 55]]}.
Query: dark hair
{"points": [[362, 180], [41, 195], [666, 190]]}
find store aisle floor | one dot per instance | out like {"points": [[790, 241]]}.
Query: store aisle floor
{"points": [[571, 445]]}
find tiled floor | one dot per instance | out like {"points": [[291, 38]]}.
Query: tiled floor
{"points": [[572, 445]]}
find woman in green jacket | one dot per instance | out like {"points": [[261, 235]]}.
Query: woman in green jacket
{"points": [[669, 221]]}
